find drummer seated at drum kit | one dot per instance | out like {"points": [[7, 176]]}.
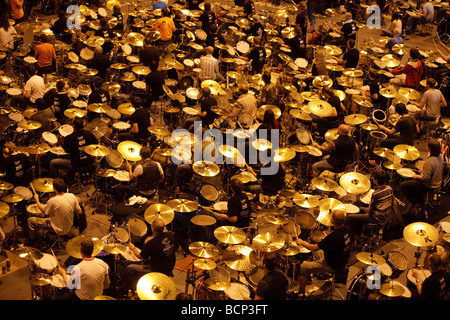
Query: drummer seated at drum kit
{"points": [[140, 120], [61, 101], [209, 67], [395, 39], [340, 152], [33, 90], [246, 105], [350, 58], [266, 184], [100, 62], [44, 116], [206, 116], [333, 119], [98, 95], [411, 74], [16, 166]]}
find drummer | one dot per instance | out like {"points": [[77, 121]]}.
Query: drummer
{"points": [[239, 208], [208, 17], [166, 27], [297, 44], [257, 56], [209, 66], [257, 29], [99, 62], [249, 8], [350, 58], [140, 120], [247, 105], [105, 33], [43, 115], [269, 93], [7, 33], [33, 90], [213, 37], [98, 95], [154, 82], [117, 13], [411, 74], [335, 117], [396, 39], [45, 55], [267, 184], [149, 52], [61, 101], [205, 115], [301, 19], [348, 31], [16, 166], [378, 101]]}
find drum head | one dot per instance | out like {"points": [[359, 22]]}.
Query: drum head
{"points": [[115, 159], [186, 82], [209, 192], [237, 291], [398, 260], [24, 192], [305, 220], [137, 227], [378, 135]]}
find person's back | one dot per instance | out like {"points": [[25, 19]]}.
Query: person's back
{"points": [[161, 252], [92, 277], [45, 53], [273, 286], [343, 153], [61, 210], [75, 143], [433, 98]]}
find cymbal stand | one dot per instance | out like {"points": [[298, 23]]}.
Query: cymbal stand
{"points": [[358, 156], [191, 278], [96, 194], [16, 228]]}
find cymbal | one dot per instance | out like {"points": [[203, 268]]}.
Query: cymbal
{"points": [[370, 258], [393, 119], [43, 185], [310, 95], [103, 297], [4, 209], [95, 41], [205, 264], [392, 289], [331, 134], [135, 39], [74, 112], [89, 72], [41, 279], [217, 284], [162, 211], [327, 206], [99, 107], [369, 126], [38, 149], [183, 205], [156, 286], [29, 124], [261, 144], [106, 173], [399, 49], [322, 82], [363, 101], [203, 220], [409, 93], [334, 67], [111, 87], [234, 75], [390, 61], [289, 250], [240, 258], [230, 235], [285, 57], [98, 127], [355, 119], [21, 27], [333, 50], [392, 166], [268, 242], [261, 111], [73, 246], [203, 249], [229, 152], [114, 248], [119, 66], [324, 184], [284, 154], [421, 234], [276, 218], [212, 85], [306, 200], [282, 13], [406, 152], [446, 237], [130, 150], [383, 152], [320, 108], [300, 114], [243, 178], [97, 150], [159, 131], [28, 253], [288, 32], [141, 70], [243, 23], [206, 168], [13, 198], [6, 185], [355, 183], [126, 108], [352, 72]]}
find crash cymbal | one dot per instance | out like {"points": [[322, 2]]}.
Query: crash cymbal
{"points": [[288, 32], [370, 258], [21, 27], [355, 119], [310, 95], [390, 61], [327, 206], [38, 149], [29, 124], [6, 185], [243, 23], [212, 85], [331, 134], [261, 144], [230, 235], [159, 131], [369, 126], [89, 72], [363, 101], [205, 264], [119, 66], [406, 152], [95, 41], [156, 286], [206, 168], [28, 253], [234, 75], [420, 234], [43, 185], [4, 209], [130, 150], [355, 183], [334, 67], [106, 173], [275, 218], [13, 198], [284, 154], [141, 70], [74, 112], [392, 289], [114, 248], [383, 152], [41, 279], [240, 258], [98, 127], [392, 166], [289, 250], [320, 108], [162, 211], [324, 184], [229, 151], [352, 72], [73, 246], [261, 111], [285, 57], [282, 13], [409, 93], [203, 249], [300, 114], [306, 200], [217, 284], [97, 150], [333, 50], [399, 49], [268, 242], [322, 82], [99, 107], [126, 108], [135, 39], [183, 205]]}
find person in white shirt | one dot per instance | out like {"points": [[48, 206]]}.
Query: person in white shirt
{"points": [[209, 66], [396, 23], [425, 16], [34, 89], [7, 33], [88, 278], [245, 111]]}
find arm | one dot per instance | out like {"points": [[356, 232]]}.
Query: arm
{"points": [[327, 147], [387, 130], [134, 129], [135, 251], [106, 282], [38, 203], [309, 246]]}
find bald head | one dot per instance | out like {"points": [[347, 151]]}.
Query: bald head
{"points": [[209, 50], [348, 16], [343, 129], [158, 225]]}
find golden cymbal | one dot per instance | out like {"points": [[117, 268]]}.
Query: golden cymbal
{"points": [[130, 150], [406, 152], [126, 108], [355, 119], [305, 200], [98, 127], [324, 184], [355, 183], [183, 205], [292, 228], [352, 72], [446, 237], [261, 144], [390, 61], [285, 57], [41, 279], [97, 150], [106, 173], [309, 95], [159, 131], [128, 77], [103, 297], [370, 258], [156, 286], [289, 250], [421, 234], [392, 289], [334, 67], [43, 185], [300, 114], [217, 284], [320, 108], [203, 249], [284, 154], [28, 253], [369, 126], [228, 151], [6, 185], [141, 70], [322, 82], [243, 23], [392, 166], [21, 27], [446, 122], [409, 93], [119, 66], [203, 220], [38, 149], [240, 258], [206, 168], [331, 134], [4, 209], [333, 50], [363, 101], [268, 242], [114, 248], [230, 235], [276, 218], [243, 178], [73, 246], [234, 75], [288, 32], [399, 49], [383, 152], [74, 112], [212, 85], [99, 107], [282, 13], [205, 264], [135, 39], [13, 198], [95, 41], [110, 4], [261, 111], [327, 206], [29, 124], [162, 211]]}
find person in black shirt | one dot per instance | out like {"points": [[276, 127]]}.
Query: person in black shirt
{"points": [[274, 284], [267, 184], [60, 25], [348, 31], [350, 57], [140, 121], [98, 94], [16, 166], [212, 37], [159, 254], [206, 115], [154, 81], [149, 52], [193, 4], [257, 56], [301, 19], [257, 29], [239, 208], [375, 85], [437, 285], [297, 44], [404, 131], [330, 255], [100, 62], [333, 119], [106, 33], [249, 8], [119, 16], [207, 17], [61, 101]]}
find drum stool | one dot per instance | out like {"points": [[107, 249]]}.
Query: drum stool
{"points": [[374, 231], [430, 126], [82, 176], [425, 28], [329, 288]]}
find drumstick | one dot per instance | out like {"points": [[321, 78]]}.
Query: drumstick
{"points": [[32, 187]]}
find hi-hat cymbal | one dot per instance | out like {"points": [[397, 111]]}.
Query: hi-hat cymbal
{"points": [[203, 249], [283, 154], [369, 126], [29, 124], [74, 112], [217, 284], [333, 50], [399, 49], [409, 93], [390, 61], [421, 234], [212, 85], [6, 185], [38, 149], [156, 286], [334, 67], [355, 119], [98, 127], [306, 200], [327, 206], [389, 92], [370, 258], [141, 70], [355, 183], [322, 82], [324, 184], [289, 250], [114, 248], [13, 198], [230, 235], [406, 152], [99, 107], [4, 209], [285, 57], [41, 279], [43, 185], [320, 108], [275, 218], [383, 152], [205, 264], [159, 131], [157, 210], [363, 101], [183, 205], [130, 150], [73, 246], [391, 165], [288, 32], [97, 150], [21, 27], [95, 41], [240, 258], [119, 66], [28, 253], [352, 72], [300, 114], [126, 108], [392, 289], [261, 111], [234, 75], [135, 39], [268, 242], [206, 168]]}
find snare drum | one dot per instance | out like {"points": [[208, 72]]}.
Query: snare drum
{"points": [[405, 174], [13, 91], [50, 138], [122, 176], [138, 229], [65, 130], [201, 34], [24, 192], [33, 210], [58, 151], [307, 222], [59, 286], [423, 274], [243, 47], [351, 208], [47, 264], [139, 86], [398, 262], [29, 60], [15, 117], [375, 139], [129, 257], [237, 291], [171, 116], [366, 197], [121, 126], [192, 95]]}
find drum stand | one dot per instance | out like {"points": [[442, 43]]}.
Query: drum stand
{"points": [[95, 196], [358, 161], [191, 278], [17, 229]]}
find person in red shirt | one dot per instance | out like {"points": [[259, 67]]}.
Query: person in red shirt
{"points": [[413, 71]]}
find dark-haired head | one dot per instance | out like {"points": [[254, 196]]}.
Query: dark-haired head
{"points": [[400, 108], [435, 148]]}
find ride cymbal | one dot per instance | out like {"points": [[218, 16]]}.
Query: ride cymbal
{"points": [[306, 200], [392, 289], [355, 119], [130, 150], [320, 108], [355, 183], [73, 246], [230, 235], [206, 168], [205, 264], [324, 184], [6, 185], [406, 152], [183, 205], [268, 242], [156, 286], [162, 211], [203, 249], [370, 258], [43, 185], [28, 253], [97, 150], [240, 258], [421, 234]]}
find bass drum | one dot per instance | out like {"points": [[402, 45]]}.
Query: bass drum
{"points": [[202, 292], [358, 289], [186, 82]]}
